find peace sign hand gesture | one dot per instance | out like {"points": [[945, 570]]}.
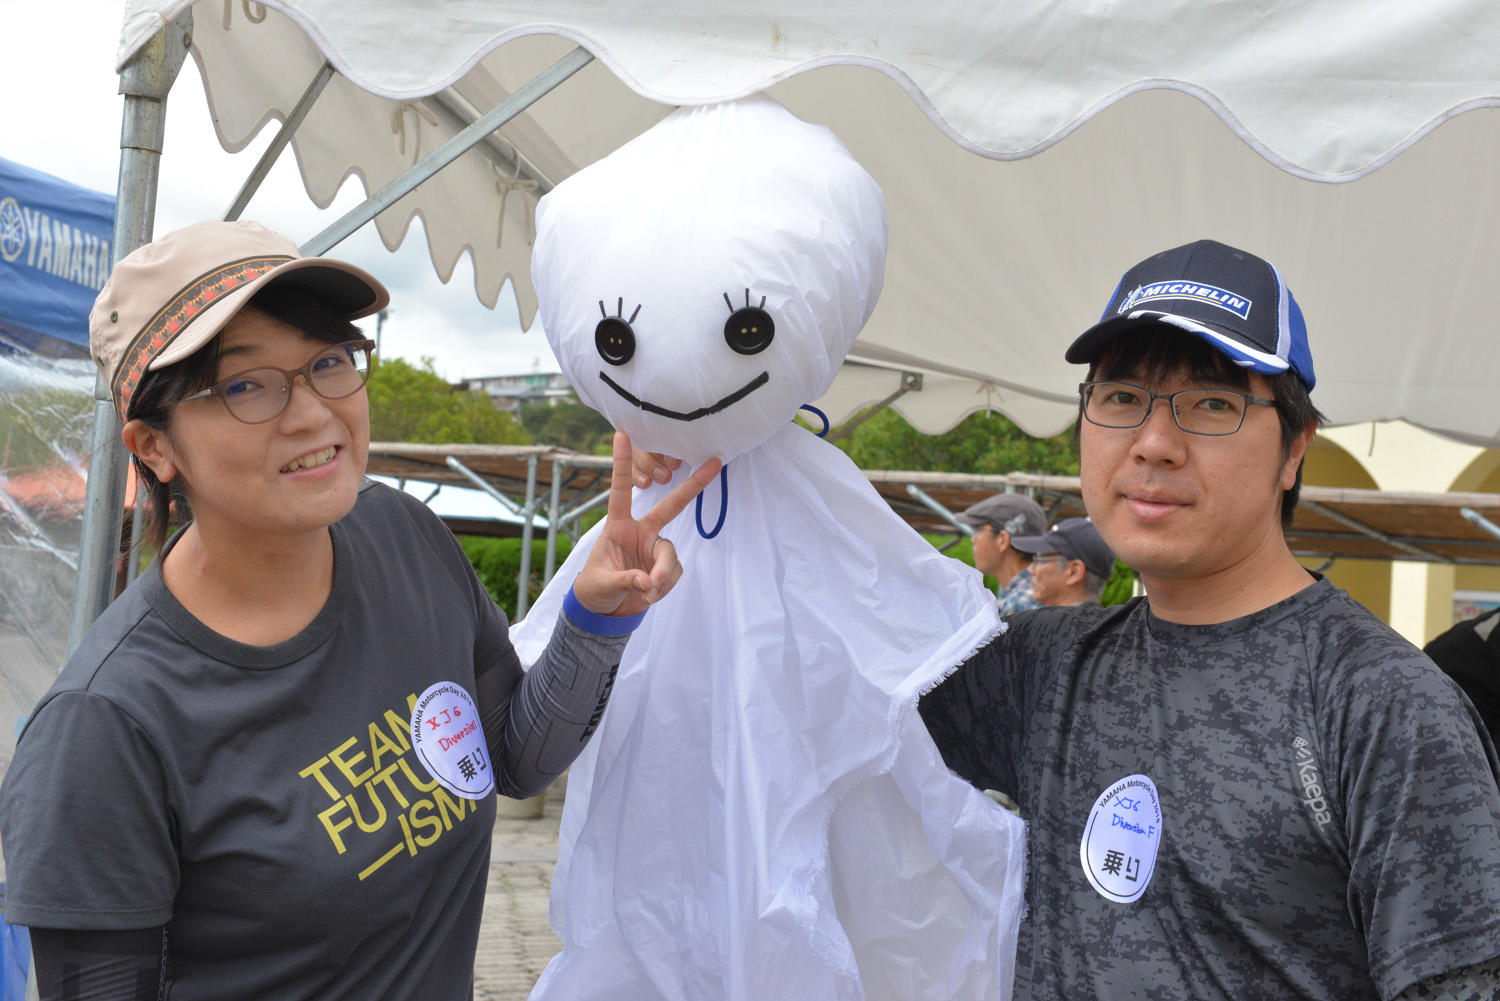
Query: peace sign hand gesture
{"points": [[631, 566]]}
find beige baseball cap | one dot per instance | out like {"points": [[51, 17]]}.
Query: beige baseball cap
{"points": [[167, 299]]}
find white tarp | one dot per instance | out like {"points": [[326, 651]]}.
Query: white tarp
{"points": [[1171, 121]]}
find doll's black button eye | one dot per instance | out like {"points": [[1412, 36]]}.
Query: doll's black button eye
{"points": [[748, 331], [615, 340]]}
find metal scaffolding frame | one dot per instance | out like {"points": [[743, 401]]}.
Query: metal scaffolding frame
{"points": [[146, 81]]}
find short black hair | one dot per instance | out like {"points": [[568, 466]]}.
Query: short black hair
{"points": [[1153, 350], [152, 400]]}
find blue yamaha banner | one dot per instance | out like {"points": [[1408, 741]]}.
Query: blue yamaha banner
{"points": [[54, 259]]}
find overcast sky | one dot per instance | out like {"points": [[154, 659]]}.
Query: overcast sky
{"points": [[62, 116]]}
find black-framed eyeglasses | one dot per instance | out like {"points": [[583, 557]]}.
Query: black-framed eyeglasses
{"points": [[1214, 412], [257, 395]]}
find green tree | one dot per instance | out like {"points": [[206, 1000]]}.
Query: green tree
{"points": [[567, 425], [411, 403], [984, 442], [980, 443]]}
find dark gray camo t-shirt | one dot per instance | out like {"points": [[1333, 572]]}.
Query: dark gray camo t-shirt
{"points": [[1292, 804]]}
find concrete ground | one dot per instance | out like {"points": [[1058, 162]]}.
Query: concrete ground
{"points": [[515, 941]]}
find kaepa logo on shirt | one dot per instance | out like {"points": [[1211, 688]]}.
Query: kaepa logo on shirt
{"points": [[1306, 765], [379, 795]]}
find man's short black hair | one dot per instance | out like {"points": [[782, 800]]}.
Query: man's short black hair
{"points": [[1153, 351]]}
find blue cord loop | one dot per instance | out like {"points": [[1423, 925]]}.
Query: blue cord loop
{"points": [[821, 416], [724, 485], [723, 505]]}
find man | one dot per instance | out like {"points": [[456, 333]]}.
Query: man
{"points": [[1242, 785], [996, 522], [1469, 653], [1072, 562]]}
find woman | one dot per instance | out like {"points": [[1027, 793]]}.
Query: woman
{"points": [[260, 775]]}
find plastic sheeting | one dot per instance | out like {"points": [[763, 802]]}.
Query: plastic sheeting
{"points": [[1107, 133], [46, 412]]}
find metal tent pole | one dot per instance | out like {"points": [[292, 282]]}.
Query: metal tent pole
{"points": [[523, 576], [144, 81], [551, 564], [288, 129], [937, 509], [404, 183], [1479, 521], [483, 484], [133, 554]]}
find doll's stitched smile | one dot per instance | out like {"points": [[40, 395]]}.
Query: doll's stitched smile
{"points": [[692, 415]]}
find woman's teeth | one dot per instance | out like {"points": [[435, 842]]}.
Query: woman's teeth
{"points": [[310, 460]]}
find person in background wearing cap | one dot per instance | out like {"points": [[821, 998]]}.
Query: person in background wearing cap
{"points": [[1242, 784], [1073, 563], [996, 522], [266, 771]]}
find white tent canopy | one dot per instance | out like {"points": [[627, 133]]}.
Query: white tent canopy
{"points": [[1104, 133]]}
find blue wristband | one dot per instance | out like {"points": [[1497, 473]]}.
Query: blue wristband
{"points": [[599, 625]]}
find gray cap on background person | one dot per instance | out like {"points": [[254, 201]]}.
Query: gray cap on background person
{"points": [[1013, 513], [1075, 539]]}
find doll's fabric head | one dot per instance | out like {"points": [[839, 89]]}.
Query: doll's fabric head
{"points": [[706, 279]]}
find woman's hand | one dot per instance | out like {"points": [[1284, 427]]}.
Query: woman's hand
{"points": [[631, 566], [650, 466]]}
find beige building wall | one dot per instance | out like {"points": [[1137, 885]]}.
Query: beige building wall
{"points": [[1329, 464], [1415, 598]]}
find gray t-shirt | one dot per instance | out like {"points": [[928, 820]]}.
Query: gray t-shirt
{"points": [[1292, 804], [266, 803]]}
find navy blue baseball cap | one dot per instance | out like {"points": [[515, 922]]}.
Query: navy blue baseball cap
{"points": [[1072, 539], [1231, 299]]}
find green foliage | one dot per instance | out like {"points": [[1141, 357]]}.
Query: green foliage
{"points": [[984, 442], [568, 425], [1120, 586], [410, 403], [498, 564]]}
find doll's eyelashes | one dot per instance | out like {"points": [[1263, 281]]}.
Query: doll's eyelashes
{"points": [[613, 337], [749, 329]]}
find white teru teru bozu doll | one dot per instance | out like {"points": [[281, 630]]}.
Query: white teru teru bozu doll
{"points": [[760, 815]]}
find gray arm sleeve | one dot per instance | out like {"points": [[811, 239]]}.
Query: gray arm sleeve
{"points": [[1480, 982], [537, 721]]}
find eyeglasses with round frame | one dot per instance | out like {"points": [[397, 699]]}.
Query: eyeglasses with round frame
{"points": [[1208, 411], [261, 394]]}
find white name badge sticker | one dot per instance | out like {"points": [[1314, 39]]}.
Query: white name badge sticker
{"points": [[1119, 843], [449, 741]]}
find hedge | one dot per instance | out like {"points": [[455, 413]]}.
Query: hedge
{"points": [[498, 564]]}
